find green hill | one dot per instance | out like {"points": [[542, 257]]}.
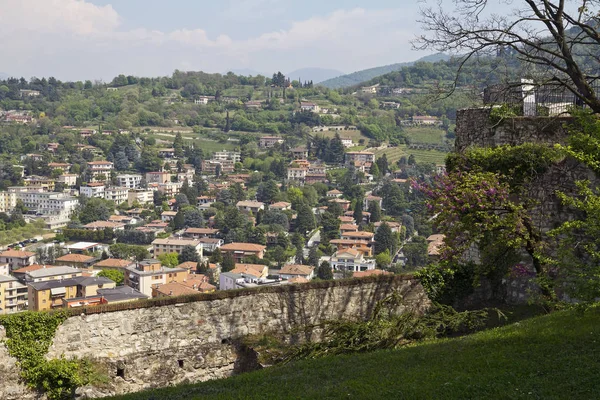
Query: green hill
{"points": [[555, 356], [358, 77]]}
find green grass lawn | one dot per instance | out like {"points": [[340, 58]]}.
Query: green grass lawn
{"points": [[355, 135], [394, 153], [425, 134], [555, 356]]}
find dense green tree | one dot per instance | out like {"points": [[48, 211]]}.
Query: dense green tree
{"points": [[114, 275], [375, 211], [305, 221], [416, 252], [358, 210], [228, 263], [192, 218], [169, 260], [313, 256], [330, 227], [178, 145], [384, 239], [95, 209], [188, 253], [324, 271]]}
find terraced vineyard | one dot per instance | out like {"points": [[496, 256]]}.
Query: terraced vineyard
{"points": [[394, 153]]}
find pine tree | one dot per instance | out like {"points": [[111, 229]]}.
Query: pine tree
{"points": [[178, 145], [358, 210], [324, 271], [313, 257], [375, 211], [384, 239], [228, 263]]}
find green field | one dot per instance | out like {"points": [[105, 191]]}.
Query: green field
{"points": [[425, 134], [355, 135], [394, 153], [555, 356]]}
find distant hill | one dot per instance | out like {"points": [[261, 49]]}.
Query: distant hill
{"points": [[4, 75], [358, 77], [313, 74]]}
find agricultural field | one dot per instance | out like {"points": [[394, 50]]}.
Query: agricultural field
{"points": [[425, 134], [394, 153], [355, 135]]}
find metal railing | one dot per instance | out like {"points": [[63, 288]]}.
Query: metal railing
{"points": [[530, 100]]}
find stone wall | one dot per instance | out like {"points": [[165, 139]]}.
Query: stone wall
{"points": [[196, 341], [475, 128]]}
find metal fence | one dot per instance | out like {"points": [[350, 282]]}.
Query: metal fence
{"points": [[531, 100]]}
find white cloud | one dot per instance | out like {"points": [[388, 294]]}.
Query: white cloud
{"points": [[74, 39]]}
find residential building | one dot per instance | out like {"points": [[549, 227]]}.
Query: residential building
{"points": [[229, 281], [203, 100], [13, 295], [205, 202], [42, 273], [172, 289], [121, 294], [347, 142], [434, 245], [297, 174], [299, 153], [250, 206], [117, 195], [225, 155], [209, 167], [101, 225], [71, 292], [253, 104], [29, 93], [364, 246], [294, 270], [211, 244], [130, 181], [307, 106], [334, 193], [170, 188], [166, 153], [281, 206], [141, 196], [370, 89], [345, 204], [41, 182], [241, 250], [148, 274], [8, 201], [65, 167], [362, 235], [197, 233], [69, 180], [425, 120], [100, 168], [113, 263], [269, 141], [17, 258], [158, 177], [92, 189], [173, 245], [361, 156], [350, 260], [370, 199], [167, 216], [256, 270], [394, 226], [76, 261]]}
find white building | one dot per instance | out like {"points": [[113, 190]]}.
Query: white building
{"points": [[149, 274], [68, 179], [98, 168], [117, 195], [225, 155], [94, 189], [351, 260], [142, 196], [49, 204], [130, 181]]}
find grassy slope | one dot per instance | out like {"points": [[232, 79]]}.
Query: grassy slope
{"points": [[551, 357], [394, 153]]}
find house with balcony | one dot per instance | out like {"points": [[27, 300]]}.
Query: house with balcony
{"points": [[92, 189], [130, 181], [291, 271], [269, 141], [100, 169], [13, 295], [158, 177], [17, 258], [148, 274], [351, 260], [174, 245], [239, 251], [250, 206]]}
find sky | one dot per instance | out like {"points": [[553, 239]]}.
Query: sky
{"points": [[99, 39]]}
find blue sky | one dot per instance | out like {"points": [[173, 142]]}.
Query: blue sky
{"points": [[98, 39]]}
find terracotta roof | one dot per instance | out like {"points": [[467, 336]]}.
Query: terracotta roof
{"points": [[250, 203], [104, 224], [77, 258], [16, 254], [252, 269], [32, 267], [113, 263], [361, 234], [362, 274], [201, 231], [188, 265], [175, 289], [298, 279], [352, 252], [100, 163], [346, 219], [348, 227], [296, 270], [243, 247], [176, 242], [436, 238], [280, 204]]}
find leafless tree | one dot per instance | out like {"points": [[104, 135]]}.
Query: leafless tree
{"points": [[556, 42]]}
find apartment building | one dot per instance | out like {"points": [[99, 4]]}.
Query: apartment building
{"points": [[158, 177], [173, 245], [8, 201], [98, 168], [142, 196], [13, 295], [117, 195], [149, 274], [17, 258], [269, 141], [360, 156], [92, 189], [130, 181], [225, 155]]}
